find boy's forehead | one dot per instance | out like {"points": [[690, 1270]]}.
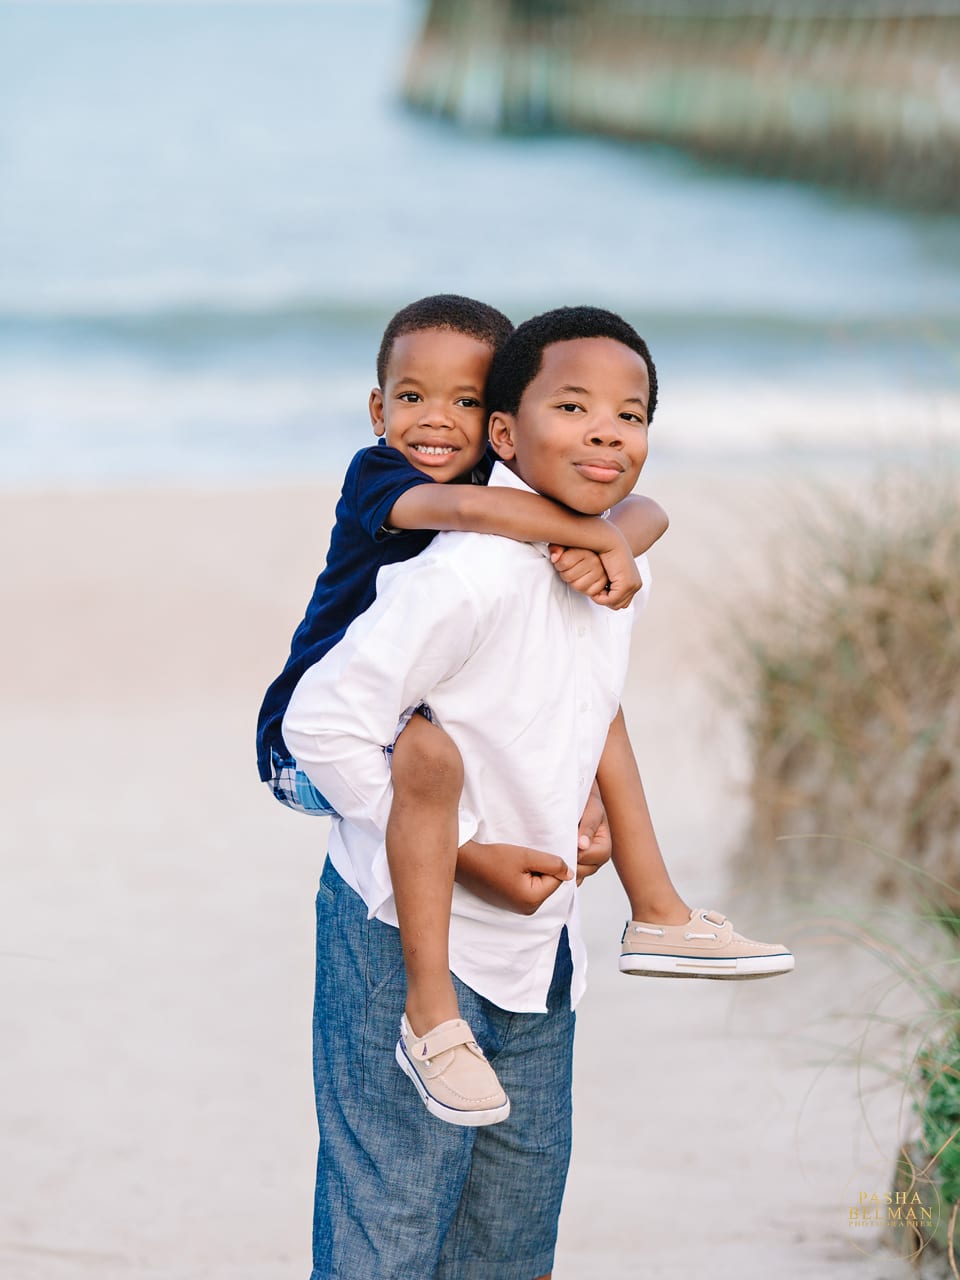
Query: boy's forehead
{"points": [[594, 364], [425, 351]]}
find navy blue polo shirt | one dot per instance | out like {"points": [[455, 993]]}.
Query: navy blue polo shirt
{"points": [[359, 548]]}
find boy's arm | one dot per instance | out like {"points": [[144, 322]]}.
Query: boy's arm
{"points": [[593, 837], [511, 513], [636, 853], [641, 521], [521, 879], [421, 627], [525, 517]]}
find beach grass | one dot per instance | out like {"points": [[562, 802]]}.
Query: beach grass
{"points": [[853, 665], [914, 1043]]}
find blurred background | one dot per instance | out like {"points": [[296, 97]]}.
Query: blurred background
{"points": [[208, 212]]}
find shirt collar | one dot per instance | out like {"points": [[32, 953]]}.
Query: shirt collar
{"points": [[502, 477]]}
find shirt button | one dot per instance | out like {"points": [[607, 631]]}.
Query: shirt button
{"points": [[581, 780], [584, 706], [581, 631]]}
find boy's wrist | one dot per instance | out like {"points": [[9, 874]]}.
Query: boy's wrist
{"points": [[604, 536]]}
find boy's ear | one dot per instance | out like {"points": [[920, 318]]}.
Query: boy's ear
{"points": [[502, 426], [376, 411]]}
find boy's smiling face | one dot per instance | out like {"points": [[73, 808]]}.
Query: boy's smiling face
{"points": [[579, 435], [431, 409]]}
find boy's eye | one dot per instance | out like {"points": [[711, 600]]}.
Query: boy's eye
{"points": [[634, 417], [570, 408], [409, 397], [470, 402]]}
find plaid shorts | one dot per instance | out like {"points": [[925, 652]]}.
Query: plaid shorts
{"points": [[293, 788], [420, 709]]}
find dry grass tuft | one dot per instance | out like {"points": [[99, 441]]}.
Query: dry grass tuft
{"points": [[854, 662]]}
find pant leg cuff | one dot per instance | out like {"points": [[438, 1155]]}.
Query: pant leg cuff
{"points": [[484, 1269]]}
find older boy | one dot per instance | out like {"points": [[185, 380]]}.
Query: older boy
{"points": [[525, 676], [429, 413]]}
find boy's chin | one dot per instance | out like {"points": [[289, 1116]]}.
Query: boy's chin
{"points": [[591, 504], [593, 497]]}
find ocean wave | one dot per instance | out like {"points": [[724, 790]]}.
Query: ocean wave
{"points": [[92, 426], [160, 325], [163, 323]]}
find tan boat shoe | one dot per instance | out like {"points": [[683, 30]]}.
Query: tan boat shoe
{"points": [[451, 1074], [705, 947]]}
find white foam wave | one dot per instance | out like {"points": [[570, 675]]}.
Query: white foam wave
{"points": [[105, 425]]}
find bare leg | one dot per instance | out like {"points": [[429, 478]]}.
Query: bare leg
{"points": [[422, 835], [636, 854]]}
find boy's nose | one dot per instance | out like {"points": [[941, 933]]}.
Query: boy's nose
{"points": [[435, 415], [605, 431]]}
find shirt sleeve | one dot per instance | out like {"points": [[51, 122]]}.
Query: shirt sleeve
{"points": [[642, 597], [382, 476], [422, 627]]}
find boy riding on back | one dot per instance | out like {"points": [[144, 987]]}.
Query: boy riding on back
{"points": [[525, 676], [429, 474]]}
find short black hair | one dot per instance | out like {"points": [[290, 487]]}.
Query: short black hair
{"points": [[444, 311], [518, 361]]}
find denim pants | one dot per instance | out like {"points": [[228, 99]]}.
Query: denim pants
{"points": [[401, 1195]]}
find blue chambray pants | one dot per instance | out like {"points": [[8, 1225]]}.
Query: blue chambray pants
{"points": [[401, 1195]]}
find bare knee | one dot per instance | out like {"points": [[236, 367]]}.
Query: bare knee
{"points": [[426, 763]]}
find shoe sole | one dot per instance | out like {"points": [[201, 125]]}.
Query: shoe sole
{"points": [[727, 967], [467, 1119]]}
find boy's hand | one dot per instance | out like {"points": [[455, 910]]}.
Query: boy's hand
{"points": [[610, 578], [594, 846], [510, 875], [581, 569], [625, 580]]}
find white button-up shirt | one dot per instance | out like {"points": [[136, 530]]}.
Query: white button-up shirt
{"points": [[525, 675]]}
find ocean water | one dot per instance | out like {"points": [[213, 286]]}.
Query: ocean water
{"points": [[208, 212]]}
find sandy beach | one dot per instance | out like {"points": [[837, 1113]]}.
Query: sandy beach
{"points": [[157, 945]]}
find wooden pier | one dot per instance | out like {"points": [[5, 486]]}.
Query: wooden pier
{"points": [[865, 95]]}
